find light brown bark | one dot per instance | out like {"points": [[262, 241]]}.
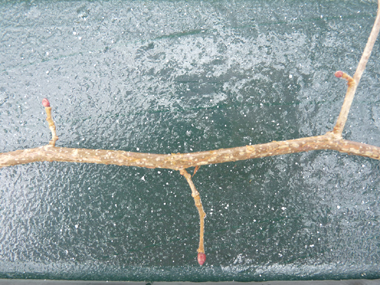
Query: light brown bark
{"points": [[178, 161]]}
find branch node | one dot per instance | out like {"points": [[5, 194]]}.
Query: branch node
{"points": [[341, 74], [334, 135]]}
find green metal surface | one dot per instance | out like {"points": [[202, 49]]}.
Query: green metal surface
{"points": [[180, 76]]}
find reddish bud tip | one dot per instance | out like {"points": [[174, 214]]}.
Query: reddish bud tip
{"points": [[201, 258], [45, 102], [339, 74]]}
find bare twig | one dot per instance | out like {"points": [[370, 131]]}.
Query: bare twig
{"points": [[341, 121], [49, 119], [202, 215], [330, 141]]}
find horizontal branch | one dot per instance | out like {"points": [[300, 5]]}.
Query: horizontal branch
{"points": [[178, 161]]}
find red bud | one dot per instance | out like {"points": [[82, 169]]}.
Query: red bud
{"points": [[45, 103], [201, 258], [339, 74]]}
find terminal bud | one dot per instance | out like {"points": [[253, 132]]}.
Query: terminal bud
{"points": [[201, 258], [45, 102]]}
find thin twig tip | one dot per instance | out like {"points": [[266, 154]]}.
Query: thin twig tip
{"points": [[45, 102], [339, 74], [201, 258]]}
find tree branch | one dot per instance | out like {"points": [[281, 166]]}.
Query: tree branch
{"points": [[353, 84], [202, 215], [180, 161]]}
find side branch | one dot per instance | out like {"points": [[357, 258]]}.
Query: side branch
{"points": [[202, 215], [49, 119], [353, 82], [185, 160]]}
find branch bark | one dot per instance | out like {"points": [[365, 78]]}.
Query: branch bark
{"points": [[178, 161], [202, 215]]}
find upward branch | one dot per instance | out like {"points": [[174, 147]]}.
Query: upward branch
{"points": [[353, 83]]}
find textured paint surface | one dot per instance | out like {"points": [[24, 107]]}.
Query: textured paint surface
{"points": [[175, 76]]}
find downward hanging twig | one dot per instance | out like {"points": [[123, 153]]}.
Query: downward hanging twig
{"points": [[202, 215]]}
